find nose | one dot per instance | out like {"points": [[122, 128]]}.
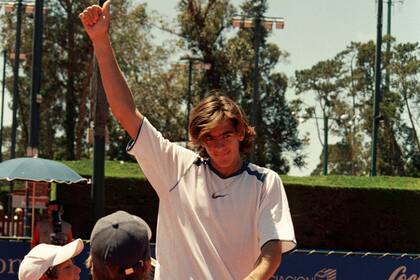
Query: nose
{"points": [[220, 143]]}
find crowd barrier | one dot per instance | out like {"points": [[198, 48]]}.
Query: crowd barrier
{"points": [[298, 265]]}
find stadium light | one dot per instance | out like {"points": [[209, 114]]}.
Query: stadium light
{"points": [[256, 23]]}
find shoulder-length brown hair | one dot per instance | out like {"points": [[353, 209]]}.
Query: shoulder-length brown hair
{"points": [[213, 110]]}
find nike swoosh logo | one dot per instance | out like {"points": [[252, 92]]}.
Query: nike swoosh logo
{"points": [[215, 196]]}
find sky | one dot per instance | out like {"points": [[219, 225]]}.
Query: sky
{"points": [[315, 31]]}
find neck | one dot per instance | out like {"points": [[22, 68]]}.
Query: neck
{"points": [[229, 170]]}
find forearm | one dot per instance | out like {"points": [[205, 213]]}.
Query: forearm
{"points": [[267, 263], [117, 91], [95, 20]]}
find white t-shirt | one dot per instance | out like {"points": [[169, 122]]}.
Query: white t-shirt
{"points": [[210, 227]]}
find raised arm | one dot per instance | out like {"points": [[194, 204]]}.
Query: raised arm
{"points": [[95, 20]]}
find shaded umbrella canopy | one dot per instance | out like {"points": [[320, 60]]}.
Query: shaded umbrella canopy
{"points": [[38, 169]]}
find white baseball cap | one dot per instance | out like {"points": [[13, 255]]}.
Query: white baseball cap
{"points": [[44, 256]]}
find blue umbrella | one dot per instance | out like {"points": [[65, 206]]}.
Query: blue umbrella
{"points": [[38, 169]]}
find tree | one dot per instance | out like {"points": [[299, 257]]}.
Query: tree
{"points": [[62, 77], [65, 112], [324, 80], [398, 142]]}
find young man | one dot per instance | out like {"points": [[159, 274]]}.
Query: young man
{"points": [[220, 217], [48, 262], [119, 248]]}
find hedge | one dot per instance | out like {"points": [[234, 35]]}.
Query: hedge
{"points": [[355, 219]]}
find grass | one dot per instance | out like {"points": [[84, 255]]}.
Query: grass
{"points": [[119, 169], [406, 183], [130, 169]]}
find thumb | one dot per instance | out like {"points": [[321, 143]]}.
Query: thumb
{"points": [[105, 8]]}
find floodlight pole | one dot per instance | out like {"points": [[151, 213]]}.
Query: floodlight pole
{"points": [[388, 45], [377, 98], [191, 62], [189, 98], [258, 20], [2, 103], [16, 78], [325, 150], [99, 134], [36, 79], [255, 92]]}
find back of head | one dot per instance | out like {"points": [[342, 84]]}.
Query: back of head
{"points": [[119, 247], [213, 110]]}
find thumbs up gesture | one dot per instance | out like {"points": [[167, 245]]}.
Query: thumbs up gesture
{"points": [[95, 20]]}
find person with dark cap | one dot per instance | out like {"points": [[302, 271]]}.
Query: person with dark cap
{"points": [[120, 248]]}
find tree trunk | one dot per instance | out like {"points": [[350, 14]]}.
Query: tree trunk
{"points": [[82, 111], [411, 120], [71, 116]]}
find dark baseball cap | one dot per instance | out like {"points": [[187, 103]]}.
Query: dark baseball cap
{"points": [[120, 239]]}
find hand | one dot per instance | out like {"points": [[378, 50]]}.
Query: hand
{"points": [[95, 20]]}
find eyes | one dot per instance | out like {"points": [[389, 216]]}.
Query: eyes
{"points": [[208, 139]]}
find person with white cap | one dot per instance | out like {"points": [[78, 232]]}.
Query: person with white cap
{"points": [[120, 248], [46, 261]]}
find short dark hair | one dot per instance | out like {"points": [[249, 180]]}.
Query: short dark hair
{"points": [[55, 202], [51, 273]]}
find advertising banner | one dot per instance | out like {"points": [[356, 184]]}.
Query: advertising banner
{"points": [[321, 265], [298, 265]]}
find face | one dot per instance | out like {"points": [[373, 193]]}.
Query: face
{"points": [[222, 146], [67, 271], [51, 208]]}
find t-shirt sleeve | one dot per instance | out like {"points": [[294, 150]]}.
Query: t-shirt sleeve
{"points": [[161, 161], [275, 222]]}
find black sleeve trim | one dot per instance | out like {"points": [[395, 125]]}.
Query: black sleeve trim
{"points": [[132, 142], [281, 241]]}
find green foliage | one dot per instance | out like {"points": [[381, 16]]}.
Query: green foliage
{"points": [[66, 54], [67, 64], [347, 92], [332, 217]]}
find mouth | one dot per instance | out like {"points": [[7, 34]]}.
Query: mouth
{"points": [[222, 153]]}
